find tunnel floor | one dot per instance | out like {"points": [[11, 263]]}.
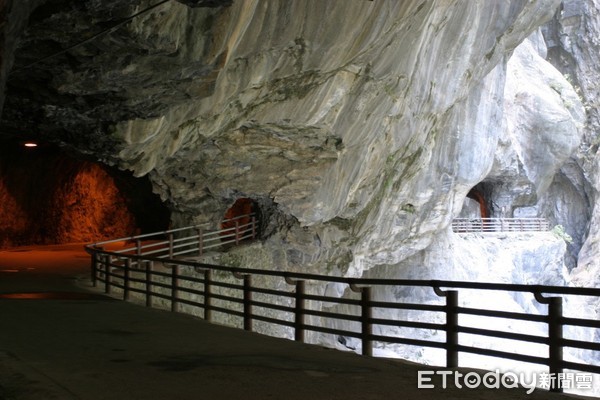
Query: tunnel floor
{"points": [[73, 344]]}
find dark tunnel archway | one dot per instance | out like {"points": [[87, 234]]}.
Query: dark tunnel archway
{"points": [[478, 196], [50, 197], [239, 213]]}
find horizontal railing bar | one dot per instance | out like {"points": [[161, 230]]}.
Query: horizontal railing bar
{"points": [[192, 279], [117, 284], [581, 344], [162, 274], [157, 251], [503, 354], [336, 300], [161, 295], [137, 290], [212, 239], [407, 324], [272, 320], [408, 306], [190, 302], [322, 329], [223, 297], [126, 250], [345, 317], [153, 244], [272, 306], [212, 246], [273, 292], [235, 286], [136, 280], [226, 311], [162, 285], [502, 314], [191, 291], [594, 369], [586, 323], [408, 341], [504, 335]]}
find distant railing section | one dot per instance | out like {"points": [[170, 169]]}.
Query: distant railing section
{"points": [[489, 225], [290, 300], [187, 241]]}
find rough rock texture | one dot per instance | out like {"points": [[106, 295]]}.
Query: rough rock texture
{"points": [[13, 20], [360, 139], [358, 127], [48, 197], [575, 50]]}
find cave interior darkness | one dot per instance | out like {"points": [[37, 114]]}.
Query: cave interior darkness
{"points": [[49, 196]]}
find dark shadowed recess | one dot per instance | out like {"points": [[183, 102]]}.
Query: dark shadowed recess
{"points": [[50, 197]]}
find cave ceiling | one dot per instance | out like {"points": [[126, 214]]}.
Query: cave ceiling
{"points": [[80, 67]]}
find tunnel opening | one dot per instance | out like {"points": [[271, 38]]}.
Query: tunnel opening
{"points": [[48, 196], [475, 194], [238, 218]]}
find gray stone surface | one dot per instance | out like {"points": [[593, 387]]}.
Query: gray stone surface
{"points": [[358, 140]]}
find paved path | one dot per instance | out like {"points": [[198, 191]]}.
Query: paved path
{"points": [[74, 343]]}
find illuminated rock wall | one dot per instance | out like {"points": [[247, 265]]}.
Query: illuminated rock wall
{"points": [[47, 197]]}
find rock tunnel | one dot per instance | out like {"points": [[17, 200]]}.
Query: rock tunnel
{"points": [[239, 214], [50, 197], [478, 196]]}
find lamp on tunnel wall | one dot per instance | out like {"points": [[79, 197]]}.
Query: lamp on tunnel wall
{"points": [[30, 144]]}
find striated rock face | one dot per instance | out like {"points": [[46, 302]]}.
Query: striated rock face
{"points": [[367, 142], [575, 50], [358, 126]]}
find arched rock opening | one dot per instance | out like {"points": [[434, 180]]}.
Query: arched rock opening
{"points": [[240, 214], [49, 197], [476, 195]]}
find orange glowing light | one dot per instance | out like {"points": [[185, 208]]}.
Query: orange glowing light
{"points": [[30, 144]]}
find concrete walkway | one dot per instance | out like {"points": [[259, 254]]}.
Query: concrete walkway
{"points": [[59, 339]]}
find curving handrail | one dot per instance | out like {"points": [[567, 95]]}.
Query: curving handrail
{"points": [[493, 225], [195, 239], [285, 302]]}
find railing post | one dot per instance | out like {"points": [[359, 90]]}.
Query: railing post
{"points": [[367, 326], [174, 287], [237, 231], [247, 288], [451, 329], [299, 308], [248, 303], [253, 227], [299, 318], [207, 296], [149, 268], [555, 334], [170, 244], [107, 274], [451, 309], [366, 316], [126, 277], [94, 266], [200, 242], [138, 247]]}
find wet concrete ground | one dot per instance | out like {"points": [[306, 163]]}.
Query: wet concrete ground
{"points": [[60, 339]]}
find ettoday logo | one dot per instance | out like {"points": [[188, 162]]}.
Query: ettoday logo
{"points": [[509, 380]]}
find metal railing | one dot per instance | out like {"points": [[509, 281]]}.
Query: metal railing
{"points": [[488, 225], [186, 241], [295, 302]]}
